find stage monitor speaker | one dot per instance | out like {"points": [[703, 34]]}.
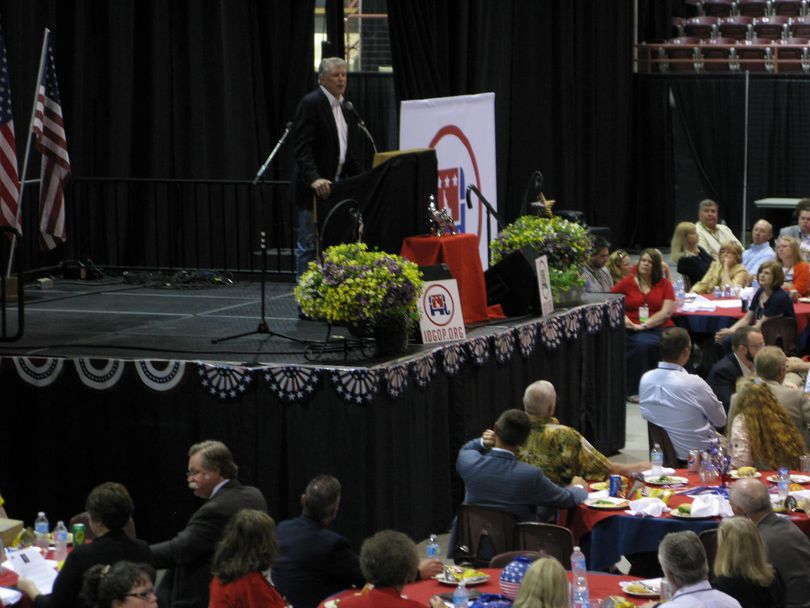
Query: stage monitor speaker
{"points": [[437, 272], [512, 283]]}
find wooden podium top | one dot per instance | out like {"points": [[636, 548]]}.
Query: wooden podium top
{"points": [[381, 157]]}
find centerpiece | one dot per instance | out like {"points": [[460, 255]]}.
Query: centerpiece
{"points": [[372, 292], [566, 244]]}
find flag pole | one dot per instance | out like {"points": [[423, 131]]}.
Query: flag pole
{"points": [[23, 181]]}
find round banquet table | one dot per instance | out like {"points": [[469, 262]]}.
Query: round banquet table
{"points": [[616, 533], [600, 586]]}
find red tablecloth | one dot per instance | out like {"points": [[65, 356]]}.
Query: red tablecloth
{"points": [[600, 586], [801, 310], [460, 253]]}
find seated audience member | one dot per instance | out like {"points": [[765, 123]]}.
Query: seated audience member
{"points": [[619, 265], [388, 561], [762, 434], [544, 585], [741, 568], [769, 365], [711, 233], [123, 585], [560, 451], [760, 250], [728, 271], [597, 277], [109, 508], [796, 370], [801, 231], [788, 548], [690, 259], [649, 292], [314, 562], [241, 562], [796, 270], [683, 561], [770, 301], [746, 342], [679, 402]]}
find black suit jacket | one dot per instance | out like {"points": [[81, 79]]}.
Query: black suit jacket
{"points": [[723, 379], [115, 546], [317, 146], [187, 557], [313, 562]]}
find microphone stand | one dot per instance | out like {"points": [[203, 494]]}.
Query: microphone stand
{"points": [[491, 211], [272, 155], [362, 126]]}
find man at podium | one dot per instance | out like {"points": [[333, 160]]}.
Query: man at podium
{"points": [[324, 129]]}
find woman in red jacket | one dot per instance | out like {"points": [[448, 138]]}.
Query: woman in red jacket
{"points": [[797, 272]]}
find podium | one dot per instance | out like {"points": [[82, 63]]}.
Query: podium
{"points": [[392, 197]]}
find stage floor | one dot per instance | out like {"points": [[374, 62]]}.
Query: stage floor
{"points": [[112, 319]]}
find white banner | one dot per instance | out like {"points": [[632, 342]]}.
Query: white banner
{"points": [[462, 131]]}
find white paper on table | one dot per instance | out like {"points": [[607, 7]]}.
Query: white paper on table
{"points": [[29, 563], [699, 303], [648, 507], [710, 505], [664, 471], [729, 303], [9, 596], [598, 494]]}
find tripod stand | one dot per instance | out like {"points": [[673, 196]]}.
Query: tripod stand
{"points": [[262, 328]]}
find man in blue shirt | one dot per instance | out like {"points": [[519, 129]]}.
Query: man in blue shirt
{"points": [[760, 250]]}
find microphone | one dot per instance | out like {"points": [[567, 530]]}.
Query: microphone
{"points": [[349, 106], [467, 196], [287, 128]]}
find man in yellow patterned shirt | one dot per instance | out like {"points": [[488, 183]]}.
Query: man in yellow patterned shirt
{"points": [[560, 451]]}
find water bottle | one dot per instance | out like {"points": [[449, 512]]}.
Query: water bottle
{"points": [[461, 596], [578, 566], [433, 547], [41, 530], [657, 460], [680, 292], [580, 598], [60, 541], [783, 485]]}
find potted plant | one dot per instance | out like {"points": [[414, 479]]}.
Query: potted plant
{"points": [[566, 244], [371, 290]]}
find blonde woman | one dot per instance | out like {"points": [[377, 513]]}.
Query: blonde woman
{"points": [[741, 569], [619, 265], [728, 271], [797, 271], [691, 260], [544, 586], [762, 433]]}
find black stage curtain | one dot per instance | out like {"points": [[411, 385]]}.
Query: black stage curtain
{"points": [[561, 73]]}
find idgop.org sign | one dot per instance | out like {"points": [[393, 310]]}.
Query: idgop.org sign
{"points": [[441, 319]]}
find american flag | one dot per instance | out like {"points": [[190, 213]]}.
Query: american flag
{"points": [[9, 178], [49, 138]]}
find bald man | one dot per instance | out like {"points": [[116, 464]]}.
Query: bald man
{"points": [[760, 250], [560, 451]]}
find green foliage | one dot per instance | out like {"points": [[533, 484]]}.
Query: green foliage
{"points": [[358, 286]]}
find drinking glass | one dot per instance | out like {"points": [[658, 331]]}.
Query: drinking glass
{"points": [[804, 463]]}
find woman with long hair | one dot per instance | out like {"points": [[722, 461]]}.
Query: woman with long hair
{"points": [[728, 271], [241, 561], [796, 270], [619, 265], [123, 585], [691, 260], [543, 586], [649, 302], [762, 433], [741, 569]]}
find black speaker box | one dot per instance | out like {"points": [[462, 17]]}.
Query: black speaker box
{"points": [[512, 283]]}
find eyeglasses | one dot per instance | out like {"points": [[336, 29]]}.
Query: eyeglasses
{"points": [[142, 595]]}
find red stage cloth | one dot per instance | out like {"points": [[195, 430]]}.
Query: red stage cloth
{"points": [[460, 253]]}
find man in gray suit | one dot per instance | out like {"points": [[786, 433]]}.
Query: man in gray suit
{"points": [[788, 547], [769, 364], [801, 231]]}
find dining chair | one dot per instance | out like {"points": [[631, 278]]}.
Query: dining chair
{"points": [[656, 434], [503, 559], [482, 533], [555, 541], [708, 539], [781, 332]]}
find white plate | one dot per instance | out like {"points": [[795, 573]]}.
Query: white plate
{"points": [[733, 475], [651, 584], [608, 502], [476, 580], [793, 478], [666, 480]]}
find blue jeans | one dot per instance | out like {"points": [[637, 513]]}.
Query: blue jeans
{"points": [[305, 247]]}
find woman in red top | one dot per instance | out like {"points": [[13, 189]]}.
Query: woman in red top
{"points": [[797, 271], [241, 561], [646, 291]]}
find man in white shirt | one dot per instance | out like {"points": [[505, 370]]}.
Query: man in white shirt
{"points": [[711, 234], [683, 560], [681, 403], [760, 250]]}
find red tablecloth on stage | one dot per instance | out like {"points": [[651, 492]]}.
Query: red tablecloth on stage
{"points": [[600, 586], [460, 253]]}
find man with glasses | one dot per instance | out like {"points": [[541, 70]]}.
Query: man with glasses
{"points": [[745, 344], [211, 476]]}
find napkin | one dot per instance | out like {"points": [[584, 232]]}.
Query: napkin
{"points": [[698, 304], [708, 505], [598, 494], [664, 471], [648, 507], [9, 596]]}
